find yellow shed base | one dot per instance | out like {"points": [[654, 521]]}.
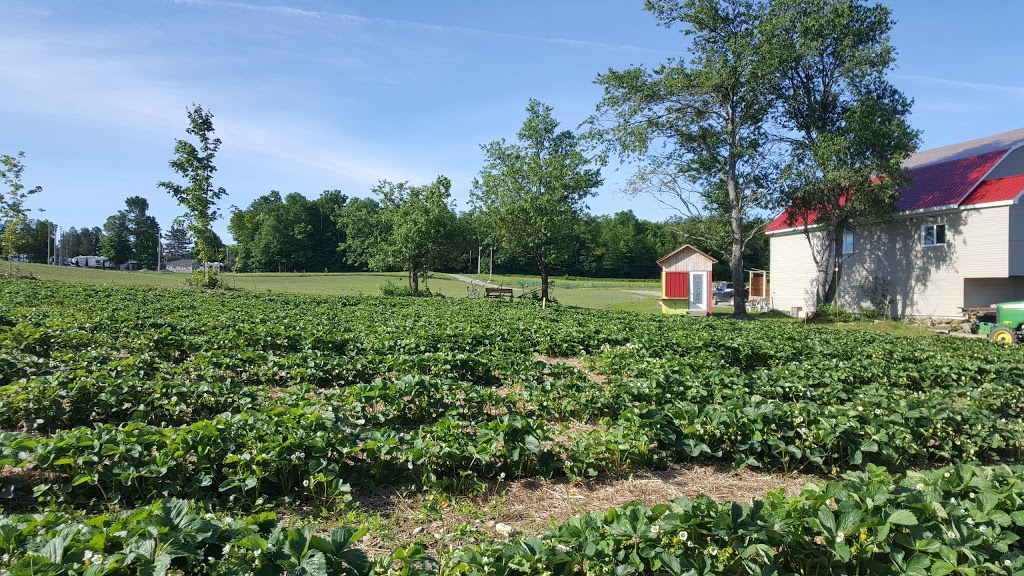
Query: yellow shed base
{"points": [[675, 306]]}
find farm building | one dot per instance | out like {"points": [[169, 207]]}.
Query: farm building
{"points": [[955, 239], [686, 281], [185, 265]]}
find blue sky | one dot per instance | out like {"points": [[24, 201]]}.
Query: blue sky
{"points": [[311, 95]]}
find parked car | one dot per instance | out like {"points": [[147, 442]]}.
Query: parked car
{"points": [[723, 293]]}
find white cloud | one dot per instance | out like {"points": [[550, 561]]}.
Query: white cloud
{"points": [[437, 28], [100, 85], [977, 86]]}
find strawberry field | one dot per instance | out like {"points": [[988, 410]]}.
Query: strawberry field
{"points": [[148, 431]]}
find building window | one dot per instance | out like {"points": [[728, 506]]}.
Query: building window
{"points": [[847, 243], [933, 234]]}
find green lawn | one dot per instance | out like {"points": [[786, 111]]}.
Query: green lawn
{"points": [[341, 284], [572, 293], [571, 283], [321, 284]]}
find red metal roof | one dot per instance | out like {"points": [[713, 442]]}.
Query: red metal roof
{"points": [[945, 183], [781, 222], [998, 190], [933, 185]]}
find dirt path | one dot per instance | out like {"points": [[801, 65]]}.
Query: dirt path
{"points": [[655, 293], [473, 281]]}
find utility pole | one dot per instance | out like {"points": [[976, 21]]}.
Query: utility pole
{"points": [[479, 254], [490, 265], [159, 251]]}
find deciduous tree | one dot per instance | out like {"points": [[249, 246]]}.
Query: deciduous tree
{"points": [[13, 212], [116, 244], [848, 126], [417, 225], [531, 194], [143, 230], [696, 126], [198, 196]]}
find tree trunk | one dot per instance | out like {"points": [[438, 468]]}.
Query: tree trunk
{"points": [[414, 281], [739, 298], [829, 265], [837, 272], [542, 263], [739, 294]]}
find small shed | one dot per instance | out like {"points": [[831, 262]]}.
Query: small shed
{"points": [[686, 281]]}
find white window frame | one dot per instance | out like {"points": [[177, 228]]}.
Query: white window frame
{"points": [[935, 235], [848, 239]]}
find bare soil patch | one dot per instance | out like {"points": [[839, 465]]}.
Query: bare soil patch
{"points": [[575, 363], [529, 506], [533, 504]]}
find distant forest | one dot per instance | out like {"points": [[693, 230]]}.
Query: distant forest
{"points": [[292, 233]]}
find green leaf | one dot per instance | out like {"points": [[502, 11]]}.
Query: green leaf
{"points": [[850, 521], [941, 568], [828, 520], [903, 518]]}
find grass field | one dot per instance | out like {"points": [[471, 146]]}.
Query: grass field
{"points": [[594, 294], [346, 284], [570, 283]]}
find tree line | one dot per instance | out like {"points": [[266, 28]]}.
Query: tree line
{"points": [[130, 235]]}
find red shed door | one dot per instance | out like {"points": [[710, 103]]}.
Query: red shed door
{"points": [[677, 284]]}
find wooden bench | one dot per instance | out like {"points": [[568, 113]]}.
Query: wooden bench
{"points": [[498, 293]]}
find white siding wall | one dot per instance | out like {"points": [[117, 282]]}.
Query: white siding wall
{"points": [[980, 292], [1017, 239], [792, 272], [889, 260]]}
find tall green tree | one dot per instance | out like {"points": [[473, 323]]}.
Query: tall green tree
{"points": [[359, 221], [177, 243], [82, 241], [198, 196], [143, 231], [417, 225], [116, 244], [846, 123], [696, 126], [531, 194], [13, 212], [131, 234], [34, 238]]}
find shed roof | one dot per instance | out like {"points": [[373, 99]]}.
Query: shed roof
{"points": [[682, 248], [998, 190]]}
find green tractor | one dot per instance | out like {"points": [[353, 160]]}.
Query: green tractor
{"points": [[1007, 326]]}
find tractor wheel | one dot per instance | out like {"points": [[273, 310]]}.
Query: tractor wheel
{"points": [[1003, 336]]}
